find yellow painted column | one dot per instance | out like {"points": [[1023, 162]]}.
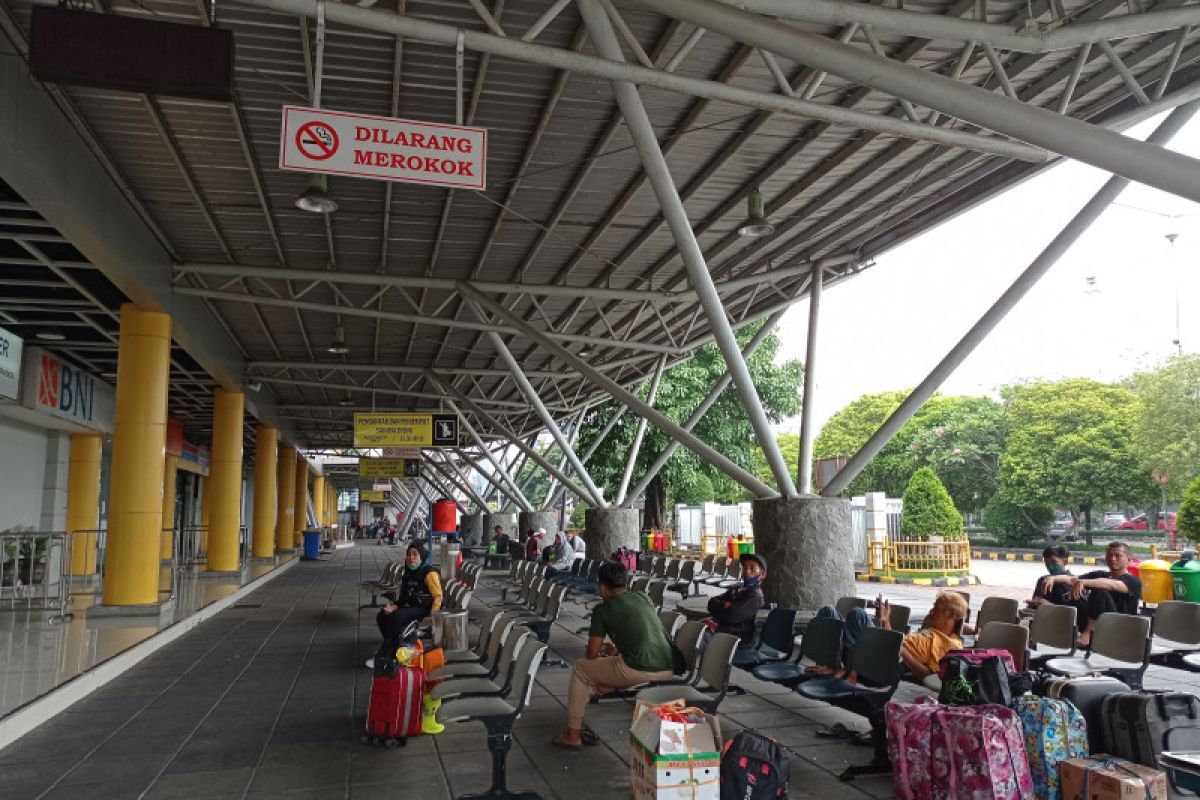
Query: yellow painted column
{"points": [[287, 494], [319, 499], [225, 478], [300, 520], [83, 501], [205, 511], [266, 463], [167, 530], [139, 440]]}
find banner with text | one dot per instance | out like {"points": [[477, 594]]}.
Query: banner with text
{"points": [[388, 468], [368, 496], [405, 150], [405, 430]]}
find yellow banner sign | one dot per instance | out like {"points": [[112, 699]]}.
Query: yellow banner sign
{"points": [[380, 467], [405, 430], [368, 496]]}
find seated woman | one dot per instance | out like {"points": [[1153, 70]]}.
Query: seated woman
{"points": [[734, 611], [420, 588]]}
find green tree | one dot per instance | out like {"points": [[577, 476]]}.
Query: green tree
{"points": [[928, 509], [960, 437], [1167, 434], [1013, 525], [725, 427], [789, 444], [1070, 444], [1189, 513]]}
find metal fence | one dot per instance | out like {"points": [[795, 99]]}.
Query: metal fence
{"points": [[932, 558], [33, 570]]}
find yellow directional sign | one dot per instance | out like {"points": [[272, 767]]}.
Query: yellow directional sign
{"points": [[368, 496], [380, 467], [405, 430]]}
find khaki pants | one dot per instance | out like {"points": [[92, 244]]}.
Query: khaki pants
{"points": [[610, 671]]}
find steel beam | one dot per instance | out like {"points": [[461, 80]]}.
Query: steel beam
{"points": [[513, 492], [497, 426], [713, 394], [455, 480], [1078, 225], [935, 26], [604, 68], [659, 175], [1112, 152], [622, 395], [539, 407], [600, 437], [639, 434], [810, 383]]}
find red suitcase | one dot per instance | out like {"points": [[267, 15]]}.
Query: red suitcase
{"points": [[396, 707]]}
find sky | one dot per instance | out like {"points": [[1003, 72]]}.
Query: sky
{"points": [[1104, 311]]}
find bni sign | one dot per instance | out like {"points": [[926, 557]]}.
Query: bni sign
{"points": [[338, 143]]}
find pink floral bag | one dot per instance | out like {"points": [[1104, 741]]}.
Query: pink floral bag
{"points": [[957, 752]]}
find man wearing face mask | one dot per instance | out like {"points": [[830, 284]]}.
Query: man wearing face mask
{"points": [[734, 610], [1049, 591]]}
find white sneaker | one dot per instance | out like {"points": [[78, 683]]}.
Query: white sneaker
{"points": [[370, 663]]}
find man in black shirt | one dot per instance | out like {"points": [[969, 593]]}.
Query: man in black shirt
{"points": [[1108, 590], [1055, 557], [735, 610]]}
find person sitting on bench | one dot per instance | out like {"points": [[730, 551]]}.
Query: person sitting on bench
{"points": [[639, 652], [1101, 591], [735, 610], [420, 588], [1048, 591]]}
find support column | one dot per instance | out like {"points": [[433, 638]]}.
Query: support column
{"points": [[473, 534], [319, 498], [167, 527], [131, 574], [287, 494], [55, 477], [606, 529], [226, 483], [83, 501], [506, 521], [205, 510], [266, 501], [300, 502], [532, 520], [804, 484], [810, 557]]}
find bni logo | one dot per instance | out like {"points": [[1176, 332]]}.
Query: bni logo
{"points": [[48, 381], [67, 390]]}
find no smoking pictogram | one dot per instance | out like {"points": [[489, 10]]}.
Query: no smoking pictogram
{"points": [[316, 140]]}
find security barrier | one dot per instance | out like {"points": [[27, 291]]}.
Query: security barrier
{"points": [[33, 570], [930, 558]]}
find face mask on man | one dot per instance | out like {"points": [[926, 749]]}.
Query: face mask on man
{"points": [[1055, 569], [751, 583]]}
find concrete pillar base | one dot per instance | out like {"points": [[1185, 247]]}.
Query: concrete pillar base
{"points": [[606, 529], [280, 551], [806, 542], [471, 526], [532, 520], [144, 610], [264, 560]]}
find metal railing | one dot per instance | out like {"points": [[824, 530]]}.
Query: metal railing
{"points": [[932, 558], [189, 545], [33, 570]]}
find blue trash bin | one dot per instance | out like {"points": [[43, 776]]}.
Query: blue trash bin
{"points": [[312, 544]]}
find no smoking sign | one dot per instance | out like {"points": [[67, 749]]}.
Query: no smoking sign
{"points": [[317, 141]]}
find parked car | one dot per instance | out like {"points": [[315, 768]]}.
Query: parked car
{"points": [[1064, 530], [1141, 523], [1112, 520]]}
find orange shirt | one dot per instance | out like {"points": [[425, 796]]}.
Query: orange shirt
{"points": [[929, 645]]}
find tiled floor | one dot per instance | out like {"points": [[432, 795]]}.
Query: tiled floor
{"points": [[38, 651], [267, 699]]}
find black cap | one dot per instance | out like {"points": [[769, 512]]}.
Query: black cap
{"points": [[762, 562]]}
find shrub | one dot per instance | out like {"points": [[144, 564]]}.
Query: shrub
{"points": [[1013, 525], [928, 509], [1189, 513]]}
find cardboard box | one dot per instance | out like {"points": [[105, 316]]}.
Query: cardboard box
{"points": [[1103, 777], [672, 759]]}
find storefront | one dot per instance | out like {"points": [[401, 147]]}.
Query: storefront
{"points": [[43, 400]]}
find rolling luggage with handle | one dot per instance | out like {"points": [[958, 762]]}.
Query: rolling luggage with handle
{"points": [[1087, 694], [396, 707], [1138, 726], [1054, 731]]}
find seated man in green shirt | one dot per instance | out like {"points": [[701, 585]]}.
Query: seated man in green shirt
{"points": [[639, 651]]}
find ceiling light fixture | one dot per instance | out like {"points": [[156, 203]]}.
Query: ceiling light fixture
{"points": [[316, 198], [51, 335], [346, 401], [338, 346], [757, 224]]}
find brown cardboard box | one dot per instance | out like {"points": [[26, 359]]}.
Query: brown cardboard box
{"points": [[1108, 778]]}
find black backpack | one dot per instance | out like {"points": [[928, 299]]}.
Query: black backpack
{"points": [[753, 767]]}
